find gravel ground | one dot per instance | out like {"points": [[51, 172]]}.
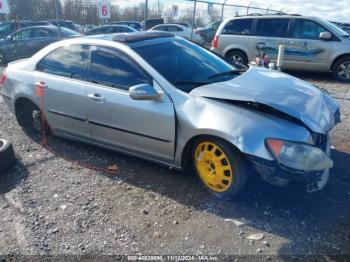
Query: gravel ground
{"points": [[51, 206]]}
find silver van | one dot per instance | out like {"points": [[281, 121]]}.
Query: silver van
{"points": [[311, 43]]}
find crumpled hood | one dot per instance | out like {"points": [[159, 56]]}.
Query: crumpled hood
{"points": [[283, 92]]}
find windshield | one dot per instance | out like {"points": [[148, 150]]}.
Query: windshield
{"points": [[185, 64], [5, 29], [69, 32], [336, 28]]}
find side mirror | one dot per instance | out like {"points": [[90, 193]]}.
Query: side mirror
{"points": [[144, 92], [325, 36]]}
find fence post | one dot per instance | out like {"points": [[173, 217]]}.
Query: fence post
{"points": [[193, 17], [58, 16]]}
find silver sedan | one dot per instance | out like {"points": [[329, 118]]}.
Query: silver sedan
{"points": [[165, 99]]}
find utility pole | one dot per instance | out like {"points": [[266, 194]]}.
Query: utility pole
{"points": [[58, 16], [222, 10], [146, 10], [193, 17], [158, 10]]}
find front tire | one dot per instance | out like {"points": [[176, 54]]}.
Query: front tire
{"points": [[341, 69], [220, 167]]}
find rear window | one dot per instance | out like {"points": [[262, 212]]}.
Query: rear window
{"points": [[238, 27], [68, 61], [272, 27]]}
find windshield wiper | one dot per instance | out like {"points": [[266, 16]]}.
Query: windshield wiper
{"points": [[191, 83], [227, 73]]}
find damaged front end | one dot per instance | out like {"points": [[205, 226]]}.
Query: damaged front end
{"points": [[280, 96]]}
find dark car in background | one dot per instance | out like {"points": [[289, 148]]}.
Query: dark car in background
{"points": [[8, 27], [65, 23], [133, 24], [208, 32], [110, 29], [27, 41], [151, 22]]}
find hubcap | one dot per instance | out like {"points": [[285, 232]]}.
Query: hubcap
{"points": [[236, 59], [344, 70], [213, 167]]}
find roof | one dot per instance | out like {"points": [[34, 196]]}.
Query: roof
{"points": [[140, 36]]}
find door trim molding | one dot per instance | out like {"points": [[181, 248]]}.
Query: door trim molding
{"points": [[130, 132]]}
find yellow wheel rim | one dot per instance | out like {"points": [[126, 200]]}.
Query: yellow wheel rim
{"points": [[213, 167]]}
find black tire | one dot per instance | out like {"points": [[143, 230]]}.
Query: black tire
{"points": [[236, 160], [237, 57], [338, 69], [7, 155], [28, 115]]}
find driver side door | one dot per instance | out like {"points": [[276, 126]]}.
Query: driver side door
{"points": [[116, 120]]}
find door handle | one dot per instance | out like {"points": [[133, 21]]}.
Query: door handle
{"points": [[281, 42], [96, 97], [291, 42]]}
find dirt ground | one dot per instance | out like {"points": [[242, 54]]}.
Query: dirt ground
{"points": [[50, 206]]}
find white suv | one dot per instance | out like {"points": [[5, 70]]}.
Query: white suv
{"points": [[311, 43]]}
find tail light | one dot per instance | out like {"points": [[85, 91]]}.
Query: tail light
{"points": [[215, 42], [3, 78]]}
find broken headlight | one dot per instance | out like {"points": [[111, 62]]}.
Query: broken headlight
{"points": [[299, 156]]}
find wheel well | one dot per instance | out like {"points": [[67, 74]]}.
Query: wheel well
{"points": [[336, 60], [23, 102], [236, 49], [186, 153]]}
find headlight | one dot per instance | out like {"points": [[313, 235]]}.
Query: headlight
{"points": [[299, 156]]}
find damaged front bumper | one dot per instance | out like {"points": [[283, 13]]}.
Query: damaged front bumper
{"points": [[278, 175]]}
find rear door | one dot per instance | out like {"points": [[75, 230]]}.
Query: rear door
{"points": [[41, 37], [268, 34], [21, 44], [64, 73], [305, 50], [116, 120]]}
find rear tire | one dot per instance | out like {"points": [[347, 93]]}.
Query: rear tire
{"points": [[237, 57], [29, 116], [341, 69], [7, 155], [220, 167]]}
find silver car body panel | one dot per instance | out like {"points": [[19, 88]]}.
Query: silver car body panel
{"points": [[286, 93], [178, 117]]}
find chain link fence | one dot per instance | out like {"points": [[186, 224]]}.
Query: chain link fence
{"points": [[53, 17]]}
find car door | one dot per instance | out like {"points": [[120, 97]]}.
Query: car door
{"points": [[64, 73], [39, 38], [21, 43], [118, 121], [304, 48], [268, 34]]}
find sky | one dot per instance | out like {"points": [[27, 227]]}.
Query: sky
{"points": [[336, 10]]}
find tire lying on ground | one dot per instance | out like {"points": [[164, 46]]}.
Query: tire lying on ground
{"points": [[7, 155]]}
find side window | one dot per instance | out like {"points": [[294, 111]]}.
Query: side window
{"points": [[109, 68], [306, 29], [272, 27], [42, 33], [238, 27], [68, 61], [162, 28], [23, 35]]}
